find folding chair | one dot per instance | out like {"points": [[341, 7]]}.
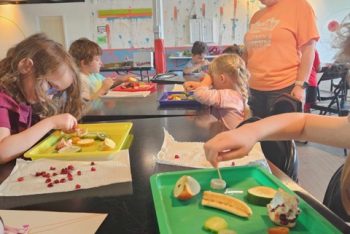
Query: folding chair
{"points": [[334, 102], [332, 197]]}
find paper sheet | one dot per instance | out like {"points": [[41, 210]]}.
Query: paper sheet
{"points": [[53, 222], [178, 88], [119, 94], [191, 154], [24, 180]]}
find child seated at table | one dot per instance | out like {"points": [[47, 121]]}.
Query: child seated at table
{"points": [[33, 73], [87, 55], [233, 49], [198, 62], [225, 89]]}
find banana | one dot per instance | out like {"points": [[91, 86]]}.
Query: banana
{"points": [[226, 203]]}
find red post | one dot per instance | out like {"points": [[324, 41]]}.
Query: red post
{"points": [[159, 55]]}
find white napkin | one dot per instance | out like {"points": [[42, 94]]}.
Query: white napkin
{"points": [[178, 88], [53, 222], [121, 94], [23, 179], [191, 154]]}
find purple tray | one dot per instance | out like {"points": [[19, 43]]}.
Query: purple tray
{"points": [[164, 101]]}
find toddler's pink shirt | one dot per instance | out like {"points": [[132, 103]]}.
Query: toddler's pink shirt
{"points": [[227, 104]]}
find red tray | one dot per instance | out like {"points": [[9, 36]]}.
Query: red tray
{"points": [[149, 87]]}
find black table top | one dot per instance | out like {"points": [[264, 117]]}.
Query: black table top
{"points": [[109, 109], [129, 205]]}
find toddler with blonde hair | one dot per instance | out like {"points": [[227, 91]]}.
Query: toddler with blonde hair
{"points": [[225, 89]]}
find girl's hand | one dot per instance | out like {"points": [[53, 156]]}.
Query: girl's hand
{"points": [[191, 85], [229, 145], [65, 122]]}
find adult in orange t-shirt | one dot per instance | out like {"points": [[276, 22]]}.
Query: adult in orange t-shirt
{"points": [[280, 49]]}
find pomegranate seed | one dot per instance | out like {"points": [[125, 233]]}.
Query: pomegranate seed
{"points": [[63, 180], [177, 156], [70, 178], [70, 167], [64, 171], [54, 174], [37, 174], [78, 173], [93, 169], [48, 180], [52, 168], [50, 185], [19, 179], [92, 163], [56, 181], [77, 186]]}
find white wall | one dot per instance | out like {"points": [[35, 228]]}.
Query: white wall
{"points": [[80, 19]]}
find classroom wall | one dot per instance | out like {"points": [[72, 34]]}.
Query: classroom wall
{"points": [[81, 20]]}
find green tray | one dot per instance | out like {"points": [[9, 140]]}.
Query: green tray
{"points": [[118, 132], [175, 216]]}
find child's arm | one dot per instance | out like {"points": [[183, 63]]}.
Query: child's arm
{"points": [[106, 85], [238, 142], [196, 67], [12, 146]]}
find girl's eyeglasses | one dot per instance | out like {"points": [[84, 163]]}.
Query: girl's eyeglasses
{"points": [[50, 90]]}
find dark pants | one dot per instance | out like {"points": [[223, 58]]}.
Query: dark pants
{"points": [[261, 102]]}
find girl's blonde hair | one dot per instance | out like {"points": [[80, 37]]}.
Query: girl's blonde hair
{"points": [[234, 66], [47, 56]]}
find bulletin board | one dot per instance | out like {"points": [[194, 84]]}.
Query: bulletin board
{"points": [[129, 24]]}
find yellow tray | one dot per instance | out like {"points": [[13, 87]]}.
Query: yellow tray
{"points": [[118, 132]]}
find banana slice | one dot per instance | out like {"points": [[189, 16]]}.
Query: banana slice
{"points": [[226, 203]]}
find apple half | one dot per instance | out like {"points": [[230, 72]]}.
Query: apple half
{"points": [[186, 187]]}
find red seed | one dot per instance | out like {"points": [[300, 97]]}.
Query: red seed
{"points": [[63, 180], [93, 169], [56, 181], [64, 171], [52, 168], [50, 185], [177, 156], [48, 180], [19, 179], [78, 173], [54, 174], [92, 163], [70, 167], [37, 174], [70, 178], [77, 186]]}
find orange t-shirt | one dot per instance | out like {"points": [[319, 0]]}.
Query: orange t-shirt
{"points": [[275, 36]]}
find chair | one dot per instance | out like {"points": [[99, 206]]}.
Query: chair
{"points": [[283, 154], [334, 102], [332, 198]]}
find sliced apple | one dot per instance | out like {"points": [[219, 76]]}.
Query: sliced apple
{"points": [[186, 187]]}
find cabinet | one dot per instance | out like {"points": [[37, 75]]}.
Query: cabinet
{"points": [[202, 30]]}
